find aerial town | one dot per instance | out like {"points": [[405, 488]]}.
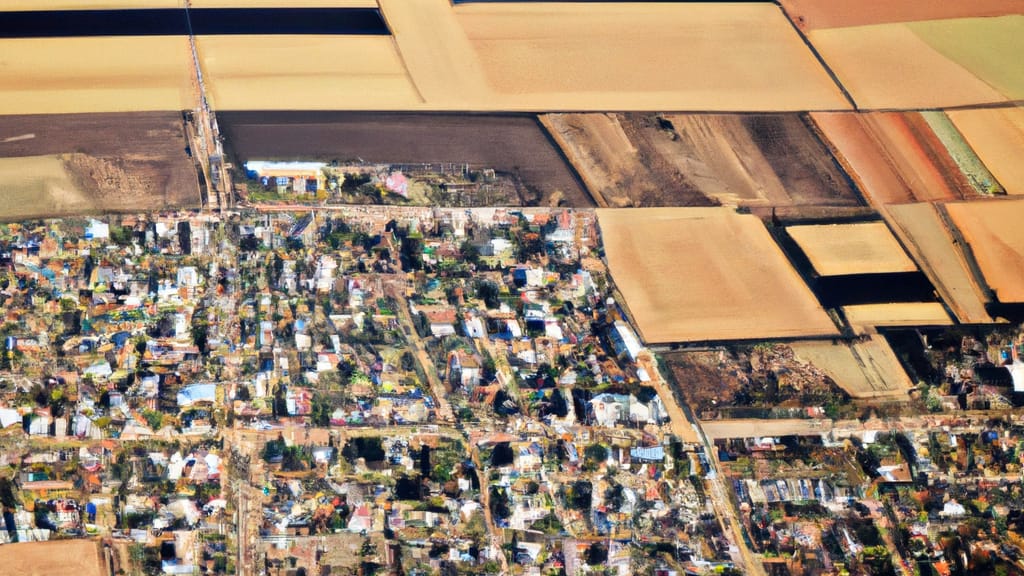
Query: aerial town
{"points": [[525, 288]]}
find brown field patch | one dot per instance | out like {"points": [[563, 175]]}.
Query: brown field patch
{"points": [[95, 74], [997, 136], [866, 369], [993, 230], [54, 558], [131, 161], [513, 144], [894, 157], [930, 242], [689, 159], [888, 66], [811, 14], [703, 274], [863, 248], [865, 317]]}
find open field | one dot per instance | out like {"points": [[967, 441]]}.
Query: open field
{"points": [[889, 66], [970, 165], [608, 56], [253, 72], [997, 136], [993, 230], [615, 171], [36, 186], [866, 369], [757, 428], [513, 144], [702, 274], [894, 157], [990, 48], [865, 317], [811, 14], [132, 161], [863, 248], [930, 242], [55, 558], [96, 74], [747, 160], [25, 5]]}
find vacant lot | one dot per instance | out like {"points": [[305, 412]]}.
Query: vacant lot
{"points": [[930, 242], [997, 136], [993, 230], [131, 161], [694, 159], [512, 144], [56, 558], [864, 317], [866, 370], [700, 274], [810, 14], [890, 66], [863, 248], [894, 157]]}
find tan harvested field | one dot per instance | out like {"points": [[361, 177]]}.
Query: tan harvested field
{"points": [[28, 5], [608, 56], [252, 72], [757, 428], [894, 157], [997, 136], [693, 159], [96, 74], [54, 558], [866, 369], [993, 231], [865, 317], [127, 161], [811, 14], [704, 274], [863, 248], [888, 66], [990, 48], [281, 3], [930, 242]]}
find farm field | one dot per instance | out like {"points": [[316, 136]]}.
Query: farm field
{"points": [[130, 161], [616, 172], [865, 317], [974, 170], [684, 279], [930, 242], [993, 231], [747, 160], [110, 74], [890, 66], [55, 558], [812, 14], [508, 143], [989, 48], [305, 73], [866, 369], [997, 136], [895, 157], [20, 5], [863, 248], [608, 56]]}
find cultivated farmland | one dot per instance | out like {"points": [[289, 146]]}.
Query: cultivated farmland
{"points": [[54, 558], [812, 14], [866, 369], [700, 274], [509, 143], [865, 317], [993, 231], [864, 248], [997, 136]]}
